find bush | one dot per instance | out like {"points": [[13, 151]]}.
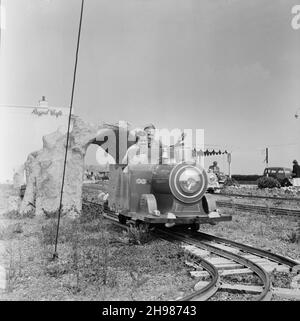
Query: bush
{"points": [[90, 212], [231, 182], [245, 178], [267, 182], [139, 235]]}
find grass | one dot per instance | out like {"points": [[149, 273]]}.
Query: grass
{"points": [[100, 261], [274, 232], [9, 231], [139, 234], [97, 261]]}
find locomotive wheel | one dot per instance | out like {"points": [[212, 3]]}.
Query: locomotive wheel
{"points": [[194, 227], [188, 227], [142, 225], [122, 219]]}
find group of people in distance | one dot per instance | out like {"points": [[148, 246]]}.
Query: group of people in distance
{"points": [[295, 172]]}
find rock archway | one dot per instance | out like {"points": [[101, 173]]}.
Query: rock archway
{"points": [[44, 169]]}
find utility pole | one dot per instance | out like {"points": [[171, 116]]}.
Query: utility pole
{"points": [[229, 162], [267, 158], [298, 228]]}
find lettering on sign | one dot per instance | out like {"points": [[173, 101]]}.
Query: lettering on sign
{"points": [[51, 112]]}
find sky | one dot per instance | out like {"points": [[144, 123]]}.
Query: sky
{"points": [[230, 67]]}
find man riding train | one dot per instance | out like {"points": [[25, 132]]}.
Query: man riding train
{"points": [[143, 151], [148, 149]]}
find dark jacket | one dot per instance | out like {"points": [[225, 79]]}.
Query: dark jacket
{"points": [[296, 171]]}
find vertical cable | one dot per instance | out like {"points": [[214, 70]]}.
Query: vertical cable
{"points": [[55, 254]]}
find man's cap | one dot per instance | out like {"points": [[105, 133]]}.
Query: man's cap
{"points": [[149, 126], [139, 132], [295, 162]]}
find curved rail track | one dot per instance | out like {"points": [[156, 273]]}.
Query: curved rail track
{"points": [[248, 249], [215, 245], [258, 270]]}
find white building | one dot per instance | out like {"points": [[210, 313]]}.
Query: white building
{"points": [[21, 132]]}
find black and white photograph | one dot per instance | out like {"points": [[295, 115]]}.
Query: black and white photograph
{"points": [[150, 153]]}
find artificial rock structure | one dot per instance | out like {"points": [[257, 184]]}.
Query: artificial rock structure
{"points": [[44, 169]]}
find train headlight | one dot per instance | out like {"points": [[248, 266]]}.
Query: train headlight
{"points": [[190, 180]]}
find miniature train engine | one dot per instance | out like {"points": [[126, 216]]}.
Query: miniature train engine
{"points": [[166, 194]]}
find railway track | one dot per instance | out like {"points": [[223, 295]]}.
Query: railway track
{"points": [[229, 256], [239, 258], [267, 210], [266, 260], [290, 199], [263, 209]]}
